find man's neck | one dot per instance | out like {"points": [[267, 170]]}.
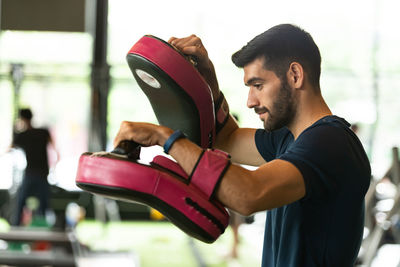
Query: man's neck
{"points": [[309, 110]]}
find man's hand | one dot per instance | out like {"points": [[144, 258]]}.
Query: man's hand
{"points": [[145, 134], [192, 45]]}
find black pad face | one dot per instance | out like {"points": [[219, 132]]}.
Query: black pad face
{"points": [[171, 104]]}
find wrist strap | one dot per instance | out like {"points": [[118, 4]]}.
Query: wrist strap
{"points": [[171, 140], [221, 112], [209, 170]]}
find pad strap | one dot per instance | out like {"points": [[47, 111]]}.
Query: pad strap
{"points": [[209, 170], [170, 165], [221, 112]]}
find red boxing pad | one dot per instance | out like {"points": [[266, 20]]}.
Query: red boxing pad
{"points": [[178, 94], [162, 185], [180, 99]]}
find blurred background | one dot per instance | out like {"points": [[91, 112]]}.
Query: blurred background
{"points": [[70, 69]]}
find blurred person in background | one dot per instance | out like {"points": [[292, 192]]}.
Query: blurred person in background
{"points": [[355, 128], [34, 142]]}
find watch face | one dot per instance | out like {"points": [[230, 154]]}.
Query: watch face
{"points": [[147, 78]]}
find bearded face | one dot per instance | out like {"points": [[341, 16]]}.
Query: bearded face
{"points": [[271, 97], [283, 109]]}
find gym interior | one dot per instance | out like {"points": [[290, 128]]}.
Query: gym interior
{"points": [[67, 62]]}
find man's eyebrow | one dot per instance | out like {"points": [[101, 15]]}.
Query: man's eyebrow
{"points": [[253, 80]]}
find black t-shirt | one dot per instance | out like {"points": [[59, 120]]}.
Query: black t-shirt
{"points": [[325, 227], [34, 143]]}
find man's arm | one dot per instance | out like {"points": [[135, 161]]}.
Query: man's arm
{"points": [[236, 141], [239, 143], [53, 148], [272, 185]]}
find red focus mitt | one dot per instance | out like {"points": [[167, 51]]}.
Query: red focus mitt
{"points": [[185, 200]]}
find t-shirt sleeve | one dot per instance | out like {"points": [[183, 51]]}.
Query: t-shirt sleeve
{"points": [[319, 154], [267, 143], [44, 134]]}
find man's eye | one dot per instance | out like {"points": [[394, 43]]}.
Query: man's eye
{"points": [[258, 86]]}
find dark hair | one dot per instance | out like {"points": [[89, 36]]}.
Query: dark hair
{"points": [[280, 46], [25, 113]]}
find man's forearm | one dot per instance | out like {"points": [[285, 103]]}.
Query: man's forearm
{"points": [[186, 154], [223, 137]]}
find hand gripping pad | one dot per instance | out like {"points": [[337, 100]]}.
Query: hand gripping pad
{"points": [[178, 94], [162, 185]]}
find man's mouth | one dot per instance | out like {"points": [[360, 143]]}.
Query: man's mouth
{"points": [[260, 110]]}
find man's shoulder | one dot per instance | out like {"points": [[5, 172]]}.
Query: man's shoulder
{"points": [[43, 131], [272, 144], [274, 136], [327, 129], [330, 141]]}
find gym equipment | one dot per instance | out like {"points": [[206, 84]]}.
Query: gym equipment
{"points": [[61, 254], [388, 222], [181, 100], [65, 250]]}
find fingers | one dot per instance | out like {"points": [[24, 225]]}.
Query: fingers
{"points": [[145, 134], [191, 40], [172, 39], [134, 131], [123, 133], [190, 45]]}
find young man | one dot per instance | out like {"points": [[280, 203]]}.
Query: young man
{"points": [[34, 142], [313, 172]]}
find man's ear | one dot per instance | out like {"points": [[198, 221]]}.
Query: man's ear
{"points": [[296, 75]]}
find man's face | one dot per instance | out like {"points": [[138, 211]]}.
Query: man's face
{"points": [[21, 124], [271, 99]]}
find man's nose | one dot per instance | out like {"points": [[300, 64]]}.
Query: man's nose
{"points": [[252, 100]]}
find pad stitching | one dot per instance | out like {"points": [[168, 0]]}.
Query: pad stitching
{"points": [[205, 213]]}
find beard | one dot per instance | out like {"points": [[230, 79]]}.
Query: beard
{"points": [[283, 109]]}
